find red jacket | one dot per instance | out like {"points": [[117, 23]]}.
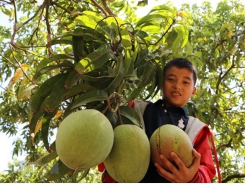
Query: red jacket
{"points": [[200, 135]]}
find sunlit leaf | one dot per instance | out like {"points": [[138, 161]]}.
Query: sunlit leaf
{"points": [[53, 58], [38, 126], [36, 116], [44, 70], [95, 59], [60, 42], [46, 158], [58, 114]]}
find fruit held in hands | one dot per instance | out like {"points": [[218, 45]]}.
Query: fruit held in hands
{"points": [[84, 139], [170, 138], [130, 155]]}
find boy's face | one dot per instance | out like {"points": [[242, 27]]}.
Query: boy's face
{"points": [[178, 86]]}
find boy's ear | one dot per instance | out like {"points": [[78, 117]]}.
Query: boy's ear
{"points": [[194, 91]]}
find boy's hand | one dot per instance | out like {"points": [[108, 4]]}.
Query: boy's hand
{"points": [[179, 174]]}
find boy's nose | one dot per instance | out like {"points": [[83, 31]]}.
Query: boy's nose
{"points": [[177, 86]]}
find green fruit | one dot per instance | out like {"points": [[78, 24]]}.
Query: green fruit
{"points": [[84, 139], [169, 138], [130, 155]]}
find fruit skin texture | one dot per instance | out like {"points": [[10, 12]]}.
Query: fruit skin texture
{"points": [[84, 139], [130, 155], [169, 138]]}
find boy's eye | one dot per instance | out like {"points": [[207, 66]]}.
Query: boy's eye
{"points": [[185, 82], [170, 79]]}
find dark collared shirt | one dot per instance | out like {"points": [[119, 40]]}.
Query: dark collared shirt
{"points": [[155, 115]]}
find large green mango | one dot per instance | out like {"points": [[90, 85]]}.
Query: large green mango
{"points": [[130, 155], [84, 139], [170, 138]]}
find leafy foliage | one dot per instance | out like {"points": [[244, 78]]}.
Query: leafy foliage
{"points": [[66, 56], [219, 41], [20, 172]]}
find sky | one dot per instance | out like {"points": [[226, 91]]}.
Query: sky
{"points": [[6, 141]]}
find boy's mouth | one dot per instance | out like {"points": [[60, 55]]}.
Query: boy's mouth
{"points": [[176, 94]]}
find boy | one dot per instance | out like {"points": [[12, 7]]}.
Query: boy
{"points": [[178, 87]]}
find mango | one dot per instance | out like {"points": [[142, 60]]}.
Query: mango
{"points": [[170, 138], [84, 139], [130, 155]]}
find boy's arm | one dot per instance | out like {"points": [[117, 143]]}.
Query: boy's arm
{"points": [[206, 170]]}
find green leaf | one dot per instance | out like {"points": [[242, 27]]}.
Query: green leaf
{"points": [[134, 94], [143, 58], [227, 26], [58, 93], [119, 74], [37, 115], [110, 30], [159, 79], [46, 158], [72, 79], [78, 46], [129, 63], [44, 70], [113, 118], [60, 42], [153, 17], [95, 59], [130, 114], [98, 82], [126, 40], [6, 11], [78, 89], [171, 37], [182, 37], [58, 171], [146, 74], [56, 57], [50, 99], [91, 96], [89, 19], [44, 90], [45, 128], [164, 8], [155, 85], [25, 90]]}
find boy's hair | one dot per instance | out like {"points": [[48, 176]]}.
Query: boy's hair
{"points": [[181, 63]]}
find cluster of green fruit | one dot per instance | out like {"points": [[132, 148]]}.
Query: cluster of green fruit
{"points": [[86, 138]]}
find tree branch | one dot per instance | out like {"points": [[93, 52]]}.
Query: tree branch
{"points": [[107, 8], [16, 27], [165, 32], [48, 2], [39, 20], [228, 145], [61, 7], [233, 176], [221, 77], [21, 67], [99, 7]]}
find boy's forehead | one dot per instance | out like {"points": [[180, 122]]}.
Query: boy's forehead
{"points": [[173, 70]]}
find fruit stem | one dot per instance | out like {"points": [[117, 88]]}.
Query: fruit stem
{"points": [[113, 100], [119, 116]]}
